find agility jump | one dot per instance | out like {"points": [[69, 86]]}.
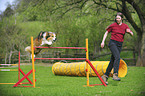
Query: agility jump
{"points": [[19, 71], [86, 59], [25, 76], [8, 69]]}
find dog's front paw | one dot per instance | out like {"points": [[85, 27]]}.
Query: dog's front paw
{"points": [[49, 43]]}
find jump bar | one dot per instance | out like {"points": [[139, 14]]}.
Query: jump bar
{"points": [[63, 47], [61, 58], [8, 64]]}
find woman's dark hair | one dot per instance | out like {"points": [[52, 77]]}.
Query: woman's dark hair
{"points": [[119, 14]]}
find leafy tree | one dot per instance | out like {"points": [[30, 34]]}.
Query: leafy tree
{"points": [[9, 11], [73, 20], [127, 7], [12, 40]]}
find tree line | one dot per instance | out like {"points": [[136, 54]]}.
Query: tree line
{"points": [[72, 20]]}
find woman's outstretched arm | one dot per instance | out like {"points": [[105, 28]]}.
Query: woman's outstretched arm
{"points": [[104, 38]]}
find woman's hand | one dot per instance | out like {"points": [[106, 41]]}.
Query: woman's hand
{"points": [[102, 44], [105, 35], [129, 31]]}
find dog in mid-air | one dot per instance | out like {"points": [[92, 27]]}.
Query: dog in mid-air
{"points": [[44, 39]]}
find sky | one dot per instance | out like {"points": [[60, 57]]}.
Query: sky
{"points": [[3, 4]]}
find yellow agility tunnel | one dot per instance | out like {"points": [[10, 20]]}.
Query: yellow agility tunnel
{"points": [[79, 68]]}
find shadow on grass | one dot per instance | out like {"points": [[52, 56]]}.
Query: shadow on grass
{"points": [[113, 83]]}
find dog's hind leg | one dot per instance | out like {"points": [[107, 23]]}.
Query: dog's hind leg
{"points": [[28, 49]]}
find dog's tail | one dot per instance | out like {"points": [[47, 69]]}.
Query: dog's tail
{"points": [[28, 49]]}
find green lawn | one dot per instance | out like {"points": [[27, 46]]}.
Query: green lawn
{"points": [[50, 85]]}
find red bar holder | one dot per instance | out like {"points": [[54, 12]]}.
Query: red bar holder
{"points": [[24, 77], [91, 65]]}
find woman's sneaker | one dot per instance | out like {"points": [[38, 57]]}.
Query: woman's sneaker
{"points": [[115, 77], [105, 78]]}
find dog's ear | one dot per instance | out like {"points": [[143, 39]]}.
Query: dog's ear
{"points": [[48, 35], [40, 36]]}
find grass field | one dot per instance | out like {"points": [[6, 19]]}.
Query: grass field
{"points": [[48, 84]]}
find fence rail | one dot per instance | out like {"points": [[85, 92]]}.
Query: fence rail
{"points": [[60, 54]]}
